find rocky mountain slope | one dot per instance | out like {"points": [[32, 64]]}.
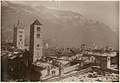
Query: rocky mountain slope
{"points": [[61, 28]]}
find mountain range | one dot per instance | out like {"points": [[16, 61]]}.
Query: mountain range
{"points": [[60, 27]]}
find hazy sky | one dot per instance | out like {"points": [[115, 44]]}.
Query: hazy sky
{"points": [[104, 11]]}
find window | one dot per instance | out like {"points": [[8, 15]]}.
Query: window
{"points": [[38, 35], [38, 28], [20, 39], [53, 72], [108, 58], [20, 31], [38, 45], [20, 35]]}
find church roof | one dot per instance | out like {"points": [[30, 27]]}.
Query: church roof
{"points": [[36, 22]]}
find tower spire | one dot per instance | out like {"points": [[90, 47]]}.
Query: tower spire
{"points": [[18, 22], [18, 35]]}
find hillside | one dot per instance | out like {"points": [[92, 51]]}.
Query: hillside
{"points": [[62, 28]]}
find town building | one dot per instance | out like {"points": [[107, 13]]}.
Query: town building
{"points": [[97, 59], [83, 47], [19, 36], [36, 43]]}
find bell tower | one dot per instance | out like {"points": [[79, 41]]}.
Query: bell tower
{"points": [[35, 41], [19, 36]]}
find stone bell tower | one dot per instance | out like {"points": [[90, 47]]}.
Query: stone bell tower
{"points": [[19, 36], [36, 43]]}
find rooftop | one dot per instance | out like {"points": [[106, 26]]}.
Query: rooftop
{"points": [[36, 22], [42, 64], [113, 54]]}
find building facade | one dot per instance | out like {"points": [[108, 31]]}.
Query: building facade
{"points": [[19, 36], [36, 41]]}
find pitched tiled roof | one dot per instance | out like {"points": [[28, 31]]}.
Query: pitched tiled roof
{"points": [[36, 22]]}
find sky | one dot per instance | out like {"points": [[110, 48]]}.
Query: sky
{"points": [[103, 11]]}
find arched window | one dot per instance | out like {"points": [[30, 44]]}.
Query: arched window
{"points": [[53, 72], [20, 31], [38, 35], [20, 35], [20, 39], [38, 28]]}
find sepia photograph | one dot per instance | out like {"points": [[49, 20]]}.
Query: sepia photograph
{"points": [[59, 41]]}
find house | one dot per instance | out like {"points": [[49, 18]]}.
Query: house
{"points": [[102, 60], [46, 70]]}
